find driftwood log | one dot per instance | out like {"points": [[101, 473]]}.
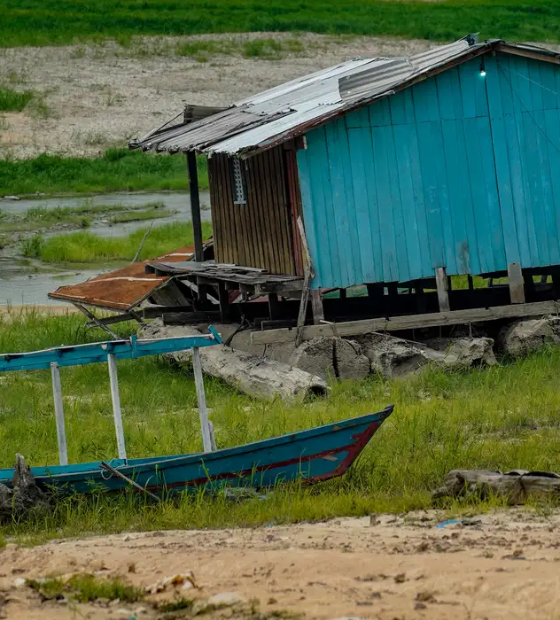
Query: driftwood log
{"points": [[24, 496], [256, 376], [515, 486]]}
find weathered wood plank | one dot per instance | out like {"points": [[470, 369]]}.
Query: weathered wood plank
{"points": [[415, 321], [442, 289], [516, 284]]}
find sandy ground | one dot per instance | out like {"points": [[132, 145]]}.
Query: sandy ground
{"points": [[97, 96], [501, 566]]}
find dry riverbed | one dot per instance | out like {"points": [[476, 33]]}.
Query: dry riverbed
{"points": [[500, 566], [95, 96]]}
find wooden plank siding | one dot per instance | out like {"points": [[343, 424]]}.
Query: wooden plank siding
{"points": [[259, 233], [459, 172]]}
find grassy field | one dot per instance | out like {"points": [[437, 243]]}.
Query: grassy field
{"points": [[496, 418], [86, 247], [116, 170], [35, 22]]}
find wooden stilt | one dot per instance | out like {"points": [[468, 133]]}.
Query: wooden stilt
{"points": [[201, 397], [317, 307], [393, 288], [375, 291], [115, 397], [421, 305], [273, 308], [442, 286], [59, 412], [308, 275], [223, 297], [515, 283]]}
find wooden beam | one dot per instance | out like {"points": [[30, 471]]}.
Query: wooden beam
{"points": [[515, 283], [96, 321], [415, 321], [195, 206], [442, 286], [111, 320]]}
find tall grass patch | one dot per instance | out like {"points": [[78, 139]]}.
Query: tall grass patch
{"points": [[116, 170], [86, 247], [502, 417]]}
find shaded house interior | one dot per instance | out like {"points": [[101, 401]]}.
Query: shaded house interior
{"points": [[431, 183]]}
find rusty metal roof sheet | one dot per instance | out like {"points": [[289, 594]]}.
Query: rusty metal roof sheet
{"points": [[276, 115], [122, 289]]}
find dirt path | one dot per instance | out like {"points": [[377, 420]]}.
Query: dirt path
{"points": [[94, 96], [503, 566]]}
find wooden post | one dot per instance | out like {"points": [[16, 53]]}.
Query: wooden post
{"points": [[195, 206], [309, 274], [273, 309], [115, 397], [421, 305], [515, 283], [59, 412], [317, 307], [201, 397], [442, 286], [223, 296]]}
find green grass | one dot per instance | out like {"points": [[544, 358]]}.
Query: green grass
{"points": [[85, 588], [489, 418], [86, 247], [116, 170], [14, 101], [152, 213], [37, 22]]}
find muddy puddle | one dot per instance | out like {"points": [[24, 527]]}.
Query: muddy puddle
{"points": [[25, 282]]}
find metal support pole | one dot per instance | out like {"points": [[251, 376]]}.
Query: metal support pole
{"points": [[115, 397], [201, 397], [59, 412]]}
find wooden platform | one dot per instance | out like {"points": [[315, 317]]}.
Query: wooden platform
{"points": [[235, 277]]}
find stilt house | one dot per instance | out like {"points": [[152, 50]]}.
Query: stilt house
{"points": [[404, 172]]}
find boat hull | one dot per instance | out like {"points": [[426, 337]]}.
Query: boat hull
{"points": [[312, 455]]}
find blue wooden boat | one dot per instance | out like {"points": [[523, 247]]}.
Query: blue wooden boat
{"points": [[312, 455]]}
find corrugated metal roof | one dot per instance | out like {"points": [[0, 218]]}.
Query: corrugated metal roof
{"points": [[122, 289], [278, 114]]}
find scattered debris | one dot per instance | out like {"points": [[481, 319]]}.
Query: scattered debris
{"points": [[24, 496], [185, 580], [515, 486], [218, 601]]}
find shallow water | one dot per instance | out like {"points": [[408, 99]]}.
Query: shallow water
{"points": [[176, 201], [22, 285]]}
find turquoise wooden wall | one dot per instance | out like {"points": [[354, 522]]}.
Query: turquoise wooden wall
{"points": [[460, 171]]}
